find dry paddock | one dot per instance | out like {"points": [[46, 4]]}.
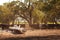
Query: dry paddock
{"points": [[45, 34]]}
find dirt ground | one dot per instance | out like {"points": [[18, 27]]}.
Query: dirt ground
{"points": [[30, 33]]}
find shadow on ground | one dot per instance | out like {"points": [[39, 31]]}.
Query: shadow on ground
{"points": [[52, 37]]}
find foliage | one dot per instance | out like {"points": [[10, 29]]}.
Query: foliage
{"points": [[39, 11]]}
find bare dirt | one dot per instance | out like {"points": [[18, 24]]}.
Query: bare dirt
{"points": [[52, 34]]}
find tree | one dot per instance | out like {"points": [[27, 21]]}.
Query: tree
{"points": [[52, 11], [19, 8], [5, 15], [28, 13]]}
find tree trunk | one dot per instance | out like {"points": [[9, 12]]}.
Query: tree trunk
{"points": [[55, 21], [31, 22], [13, 22]]}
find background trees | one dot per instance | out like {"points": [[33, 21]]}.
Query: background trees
{"points": [[33, 11], [52, 10], [5, 15]]}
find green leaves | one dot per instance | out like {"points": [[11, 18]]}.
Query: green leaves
{"points": [[6, 15], [39, 11], [38, 15]]}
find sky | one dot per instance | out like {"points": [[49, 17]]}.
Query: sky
{"points": [[4, 1]]}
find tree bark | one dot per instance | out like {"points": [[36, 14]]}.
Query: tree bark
{"points": [[55, 22]]}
